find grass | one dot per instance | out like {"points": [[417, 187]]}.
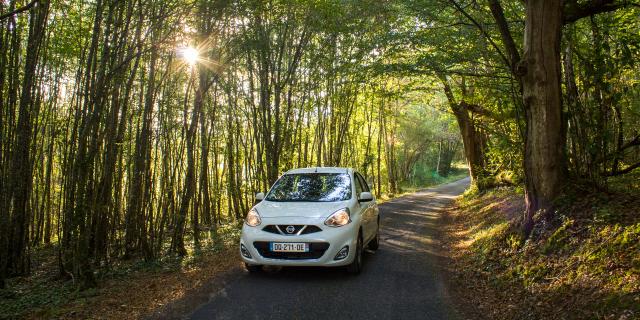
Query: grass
{"points": [[582, 264]]}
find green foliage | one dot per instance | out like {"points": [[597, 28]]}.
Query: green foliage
{"points": [[427, 178], [43, 294], [558, 239], [596, 264], [283, 84]]}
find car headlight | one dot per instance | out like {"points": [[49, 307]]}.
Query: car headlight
{"points": [[338, 218], [253, 218]]}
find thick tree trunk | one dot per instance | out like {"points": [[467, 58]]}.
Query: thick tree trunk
{"points": [[473, 140], [545, 138]]}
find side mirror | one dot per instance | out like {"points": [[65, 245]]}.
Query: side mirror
{"points": [[365, 197], [259, 197]]}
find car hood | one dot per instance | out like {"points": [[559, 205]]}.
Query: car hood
{"points": [[275, 209]]}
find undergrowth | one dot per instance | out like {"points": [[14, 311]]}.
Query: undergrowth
{"points": [[583, 263], [45, 294]]}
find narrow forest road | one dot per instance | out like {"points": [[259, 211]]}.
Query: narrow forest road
{"points": [[401, 280]]}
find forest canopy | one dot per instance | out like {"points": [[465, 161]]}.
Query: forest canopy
{"points": [[127, 127]]}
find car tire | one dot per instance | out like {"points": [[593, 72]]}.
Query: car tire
{"points": [[253, 268], [356, 266], [375, 242]]}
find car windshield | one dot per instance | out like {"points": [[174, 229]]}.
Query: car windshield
{"points": [[313, 187]]}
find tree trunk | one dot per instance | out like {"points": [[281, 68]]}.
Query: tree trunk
{"points": [[474, 143], [545, 138], [21, 181], [177, 243], [134, 237], [473, 140]]}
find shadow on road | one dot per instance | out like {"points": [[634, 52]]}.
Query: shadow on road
{"points": [[399, 281]]}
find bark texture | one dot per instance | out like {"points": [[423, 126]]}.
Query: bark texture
{"points": [[542, 97]]}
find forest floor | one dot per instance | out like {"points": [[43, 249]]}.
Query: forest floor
{"points": [[126, 290], [136, 289], [585, 264]]}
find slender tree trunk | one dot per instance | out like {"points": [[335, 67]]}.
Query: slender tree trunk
{"points": [[21, 181], [177, 243], [204, 170], [134, 221]]}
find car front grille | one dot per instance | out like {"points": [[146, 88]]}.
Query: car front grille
{"points": [[297, 229], [316, 250]]}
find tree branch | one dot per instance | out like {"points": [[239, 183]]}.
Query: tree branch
{"points": [[634, 142], [631, 143], [503, 26], [482, 30], [474, 108], [19, 10], [625, 170], [574, 11]]}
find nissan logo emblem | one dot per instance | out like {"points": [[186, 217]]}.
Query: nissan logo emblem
{"points": [[290, 229]]}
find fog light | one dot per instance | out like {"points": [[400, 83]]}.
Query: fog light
{"points": [[343, 253], [244, 251]]}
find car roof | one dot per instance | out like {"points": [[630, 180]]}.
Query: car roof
{"points": [[320, 170]]}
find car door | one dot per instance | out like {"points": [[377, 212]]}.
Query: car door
{"points": [[368, 224], [361, 209], [372, 207]]}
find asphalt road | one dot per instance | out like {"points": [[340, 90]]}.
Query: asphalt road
{"points": [[401, 280]]}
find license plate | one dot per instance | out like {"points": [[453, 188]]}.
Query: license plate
{"points": [[289, 247]]}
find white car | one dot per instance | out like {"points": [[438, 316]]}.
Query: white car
{"points": [[312, 217]]}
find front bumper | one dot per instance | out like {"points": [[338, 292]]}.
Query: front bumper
{"points": [[254, 238]]}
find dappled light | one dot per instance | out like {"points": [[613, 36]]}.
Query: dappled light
{"points": [[138, 138]]}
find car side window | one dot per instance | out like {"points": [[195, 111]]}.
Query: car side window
{"points": [[358, 185], [363, 182]]}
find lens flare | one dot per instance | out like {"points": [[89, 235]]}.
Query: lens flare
{"points": [[190, 55]]}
